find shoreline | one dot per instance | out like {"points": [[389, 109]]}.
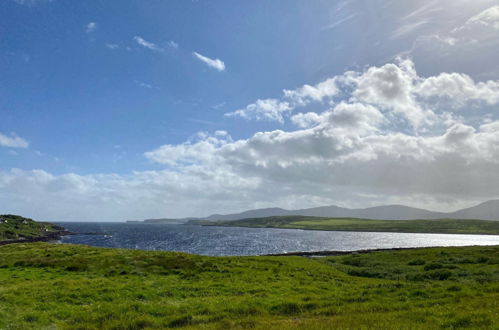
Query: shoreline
{"points": [[52, 236], [352, 231], [327, 253]]}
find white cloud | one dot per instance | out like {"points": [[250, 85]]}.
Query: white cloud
{"points": [[423, 11], [198, 152], [13, 141], [393, 87], [354, 152], [147, 44], [145, 85], [469, 45], [306, 120], [338, 22], [112, 46], [274, 109], [459, 89], [407, 28], [216, 64], [489, 17], [173, 44], [32, 2], [91, 27], [267, 109]]}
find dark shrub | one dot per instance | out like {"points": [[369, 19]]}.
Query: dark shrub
{"points": [[181, 322], [433, 265], [416, 262], [287, 308], [439, 274]]}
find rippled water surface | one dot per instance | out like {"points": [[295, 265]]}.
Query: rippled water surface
{"points": [[218, 241]]}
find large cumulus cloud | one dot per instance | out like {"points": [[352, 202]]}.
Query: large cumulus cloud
{"points": [[384, 135]]}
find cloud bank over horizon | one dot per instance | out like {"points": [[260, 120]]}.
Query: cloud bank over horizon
{"points": [[386, 135]]}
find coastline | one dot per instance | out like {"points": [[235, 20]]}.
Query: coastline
{"points": [[327, 253], [51, 236], [353, 231]]}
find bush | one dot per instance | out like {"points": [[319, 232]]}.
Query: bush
{"points": [[287, 308], [353, 261], [440, 275], [433, 265], [181, 322], [416, 262]]}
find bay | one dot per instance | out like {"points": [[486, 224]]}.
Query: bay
{"points": [[233, 241]]}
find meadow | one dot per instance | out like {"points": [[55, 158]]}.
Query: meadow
{"points": [[444, 226], [58, 286]]}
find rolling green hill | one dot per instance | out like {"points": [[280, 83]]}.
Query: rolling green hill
{"points": [[447, 226]]}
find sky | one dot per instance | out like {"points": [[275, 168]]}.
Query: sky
{"points": [[130, 109]]}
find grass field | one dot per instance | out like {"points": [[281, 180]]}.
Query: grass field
{"points": [[56, 286], [448, 226]]}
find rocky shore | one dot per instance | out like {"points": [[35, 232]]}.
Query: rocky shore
{"points": [[49, 236]]}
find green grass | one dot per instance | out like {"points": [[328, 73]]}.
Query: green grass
{"points": [[57, 286], [13, 227], [448, 226]]}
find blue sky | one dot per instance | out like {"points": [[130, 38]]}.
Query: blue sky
{"points": [[179, 105]]}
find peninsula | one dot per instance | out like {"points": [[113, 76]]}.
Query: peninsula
{"points": [[15, 228]]}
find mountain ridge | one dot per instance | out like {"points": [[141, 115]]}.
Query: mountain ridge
{"points": [[488, 210]]}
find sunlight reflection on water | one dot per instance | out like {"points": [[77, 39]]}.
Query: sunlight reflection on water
{"points": [[220, 241]]}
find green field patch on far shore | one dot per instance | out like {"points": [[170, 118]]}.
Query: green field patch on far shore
{"points": [[444, 226]]}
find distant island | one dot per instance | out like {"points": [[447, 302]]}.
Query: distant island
{"points": [[444, 226], [15, 228], [161, 221]]}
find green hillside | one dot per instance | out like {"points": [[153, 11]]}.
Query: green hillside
{"points": [[447, 226], [14, 227]]}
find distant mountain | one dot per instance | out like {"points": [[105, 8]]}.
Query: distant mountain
{"points": [[163, 221], [258, 213], [389, 212], [485, 211]]}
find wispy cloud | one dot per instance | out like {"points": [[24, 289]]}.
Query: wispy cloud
{"points": [[13, 141], [147, 44], [423, 11], [342, 5], [216, 64], [173, 44], [488, 18], [218, 106], [407, 29], [31, 2], [145, 85], [91, 27], [416, 19], [112, 46], [338, 22]]}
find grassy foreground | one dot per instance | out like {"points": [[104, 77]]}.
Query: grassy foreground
{"points": [[60, 286], [447, 226]]}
